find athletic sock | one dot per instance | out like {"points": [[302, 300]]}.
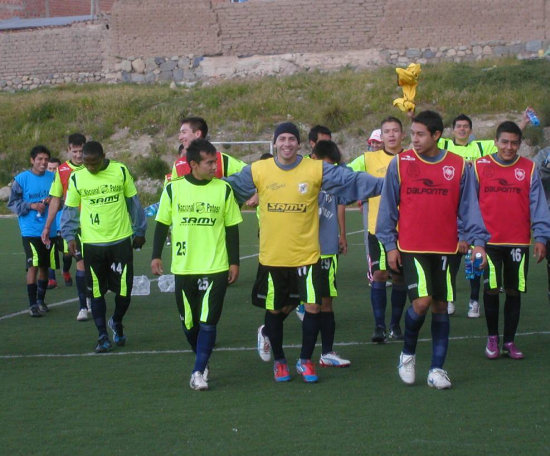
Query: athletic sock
{"points": [[99, 309], [440, 339], [274, 330], [310, 331], [378, 301], [327, 326], [512, 307], [67, 262], [205, 344], [81, 288], [121, 306], [31, 292], [398, 300], [413, 323], [491, 304], [192, 336], [51, 274], [474, 288], [42, 286]]}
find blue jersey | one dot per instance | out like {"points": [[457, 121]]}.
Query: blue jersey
{"points": [[31, 188]]}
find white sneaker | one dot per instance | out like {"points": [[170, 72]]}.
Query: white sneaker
{"points": [[264, 345], [451, 308], [473, 309], [197, 382], [333, 359], [438, 379], [205, 373], [89, 304], [82, 315], [406, 368]]}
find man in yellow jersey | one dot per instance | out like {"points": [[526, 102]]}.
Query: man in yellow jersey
{"points": [[110, 214], [58, 191], [204, 217], [376, 163], [288, 187]]}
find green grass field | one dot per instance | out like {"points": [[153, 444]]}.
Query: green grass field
{"points": [[58, 398]]}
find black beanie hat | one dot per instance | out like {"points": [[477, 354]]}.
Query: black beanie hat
{"points": [[286, 127]]}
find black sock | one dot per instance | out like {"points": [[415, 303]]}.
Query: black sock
{"points": [[121, 306], [327, 326], [81, 288], [491, 304], [310, 330], [67, 261], [274, 330], [51, 274], [512, 307], [398, 301], [474, 288], [41, 290], [99, 309], [31, 292]]}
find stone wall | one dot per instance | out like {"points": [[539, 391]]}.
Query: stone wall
{"points": [[26, 9]]}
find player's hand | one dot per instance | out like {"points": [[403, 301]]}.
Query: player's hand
{"points": [[463, 247], [394, 260], [540, 251], [45, 236], [72, 247], [138, 242], [233, 273], [343, 245], [253, 201], [39, 207], [478, 249], [156, 266]]}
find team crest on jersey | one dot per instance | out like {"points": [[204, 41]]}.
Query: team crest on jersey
{"points": [[303, 188], [520, 174], [449, 172]]}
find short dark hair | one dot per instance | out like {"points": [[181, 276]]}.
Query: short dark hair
{"points": [[40, 150], [391, 119], [509, 127], [55, 160], [462, 117], [93, 148], [314, 132], [266, 156], [327, 149], [196, 123], [77, 139], [431, 120], [196, 147]]}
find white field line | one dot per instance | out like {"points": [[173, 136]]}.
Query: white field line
{"points": [[229, 349]]}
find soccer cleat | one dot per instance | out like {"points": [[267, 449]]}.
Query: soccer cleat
{"points": [[264, 346], [438, 379], [491, 350], [333, 359], [82, 315], [300, 312], [451, 308], [406, 368], [52, 283], [510, 349], [396, 333], [42, 306], [280, 372], [379, 335], [34, 311], [118, 336], [197, 381], [473, 309], [103, 344], [307, 370], [68, 279]]}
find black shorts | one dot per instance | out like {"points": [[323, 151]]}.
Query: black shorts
{"points": [[329, 268], [277, 287], [37, 254], [454, 266], [428, 274], [200, 298], [376, 256], [109, 267], [508, 263]]}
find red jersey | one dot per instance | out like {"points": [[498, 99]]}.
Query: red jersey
{"points": [[182, 168]]}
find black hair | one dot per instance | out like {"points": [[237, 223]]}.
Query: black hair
{"points": [[266, 156], [93, 148], [509, 127], [462, 117], [314, 132], [327, 149], [196, 123], [431, 120], [39, 150], [55, 160], [196, 147], [77, 139], [391, 119]]}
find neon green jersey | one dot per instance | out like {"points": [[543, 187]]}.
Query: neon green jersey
{"points": [[198, 214], [471, 151], [102, 197], [62, 174]]}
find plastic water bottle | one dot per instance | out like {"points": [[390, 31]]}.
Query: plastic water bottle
{"points": [[533, 118], [151, 211], [167, 283], [468, 266], [477, 265], [141, 286]]}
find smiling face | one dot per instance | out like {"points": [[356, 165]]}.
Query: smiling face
{"points": [[75, 153], [507, 145], [39, 164], [462, 131], [287, 146], [187, 135]]}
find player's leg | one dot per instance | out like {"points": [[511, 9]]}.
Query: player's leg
{"points": [[43, 255], [187, 293], [80, 278], [379, 275], [454, 265], [398, 301], [548, 267], [54, 263], [31, 261], [67, 262], [493, 282]]}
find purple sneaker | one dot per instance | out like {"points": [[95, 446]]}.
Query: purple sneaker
{"points": [[491, 350], [510, 349]]}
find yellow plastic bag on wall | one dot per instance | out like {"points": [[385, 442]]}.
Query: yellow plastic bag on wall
{"points": [[407, 79]]}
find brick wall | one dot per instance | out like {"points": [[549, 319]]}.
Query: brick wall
{"points": [[26, 9]]}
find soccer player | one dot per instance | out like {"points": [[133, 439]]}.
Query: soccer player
{"points": [[58, 193], [53, 164], [426, 192], [288, 187], [110, 214], [512, 202], [204, 217], [29, 201], [375, 141], [319, 133], [376, 163]]}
